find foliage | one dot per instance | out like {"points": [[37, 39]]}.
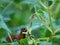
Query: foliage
{"points": [[40, 16]]}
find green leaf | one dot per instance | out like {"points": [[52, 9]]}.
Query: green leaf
{"points": [[40, 11], [48, 33], [24, 41], [2, 32]]}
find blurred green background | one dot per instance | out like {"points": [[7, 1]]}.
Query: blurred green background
{"points": [[15, 14]]}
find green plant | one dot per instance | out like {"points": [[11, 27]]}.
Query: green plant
{"points": [[42, 17]]}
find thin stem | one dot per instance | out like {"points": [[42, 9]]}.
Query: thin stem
{"points": [[42, 4], [43, 38], [56, 36], [51, 22], [45, 24], [47, 41], [51, 25], [57, 30], [10, 37], [52, 4], [34, 41]]}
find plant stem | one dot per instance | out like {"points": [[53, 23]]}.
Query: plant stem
{"points": [[34, 41], [51, 25], [44, 22], [10, 37], [51, 22]]}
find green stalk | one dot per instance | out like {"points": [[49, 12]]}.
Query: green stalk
{"points": [[10, 37], [51, 22], [51, 25], [34, 41], [42, 19], [47, 41]]}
